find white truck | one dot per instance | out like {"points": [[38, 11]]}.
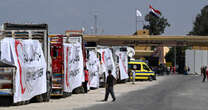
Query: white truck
{"points": [[26, 38]]}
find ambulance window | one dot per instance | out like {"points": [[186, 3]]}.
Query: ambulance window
{"points": [[138, 67], [146, 67], [132, 66]]}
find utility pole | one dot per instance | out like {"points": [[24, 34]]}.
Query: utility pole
{"points": [[136, 20], [95, 24], [175, 56]]}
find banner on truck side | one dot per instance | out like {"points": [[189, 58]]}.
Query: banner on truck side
{"points": [[107, 61], [123, 64], [93, 69], [28, 57], [73, 66]]}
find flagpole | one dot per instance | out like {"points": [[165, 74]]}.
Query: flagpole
{"points": [[136, 19], [147, 9]]}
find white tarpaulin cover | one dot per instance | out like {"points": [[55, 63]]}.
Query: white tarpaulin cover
{"points": [[107, 61], [93, 69], [28, 57], [102, 64], [73, 66], [123, 64], [5, 48]]}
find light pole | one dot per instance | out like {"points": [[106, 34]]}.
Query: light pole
{"points": [[95, 24], [175, 56]]}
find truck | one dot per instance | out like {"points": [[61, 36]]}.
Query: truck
{"points": [[59, 74], [57, 58], [120, 58], [8, 71]]}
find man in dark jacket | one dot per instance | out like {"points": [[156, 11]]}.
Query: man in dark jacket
{"points": [[203, 72], [109, 86]]}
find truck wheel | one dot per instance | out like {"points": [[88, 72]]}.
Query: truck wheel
{"points": [[27, 102], [47, 95], [66, 94], [6, 100], [39, 98], [17, 104]]}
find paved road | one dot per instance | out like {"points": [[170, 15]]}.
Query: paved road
{"points": [[177, 92]]}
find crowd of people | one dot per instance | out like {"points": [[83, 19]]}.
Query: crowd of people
{"points": [[162, 69], [166, 70]]}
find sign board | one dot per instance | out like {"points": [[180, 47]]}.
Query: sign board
{"points": [[73, 39]]}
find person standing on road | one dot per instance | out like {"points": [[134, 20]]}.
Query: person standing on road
{"points": [[86, 79], [185, 70], [134, 74], [109, 86], [201, 70], [174, 70], [204, 73], [168, 70], [206, 70]]}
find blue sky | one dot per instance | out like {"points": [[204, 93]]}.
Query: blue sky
{"points": [[114, 16]]}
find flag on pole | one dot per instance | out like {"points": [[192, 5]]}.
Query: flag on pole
{"points": [[154, 12], [138, 13]]}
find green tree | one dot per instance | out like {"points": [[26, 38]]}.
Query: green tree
{"points": [[180, 57], [201, 23], [156, 25]]}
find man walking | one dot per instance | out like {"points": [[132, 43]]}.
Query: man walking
{"points": [[206, 70], [204, 73], [109, 86]]}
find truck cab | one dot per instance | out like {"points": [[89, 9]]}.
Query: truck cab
{"points": [[56, 51], [57, 43]]}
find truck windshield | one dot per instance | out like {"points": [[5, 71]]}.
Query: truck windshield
{"points": [[55, 52]]}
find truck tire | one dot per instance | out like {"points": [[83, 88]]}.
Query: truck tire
{"points": [[46, 96], [66, 94], [27, 102], [6, 100], [39, 98], [17, 104]]}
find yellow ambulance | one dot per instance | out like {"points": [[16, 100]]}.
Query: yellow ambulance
{"points": [[143, 72]]}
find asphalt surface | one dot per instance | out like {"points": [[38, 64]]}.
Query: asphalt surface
{"points": [[177, 92]]}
